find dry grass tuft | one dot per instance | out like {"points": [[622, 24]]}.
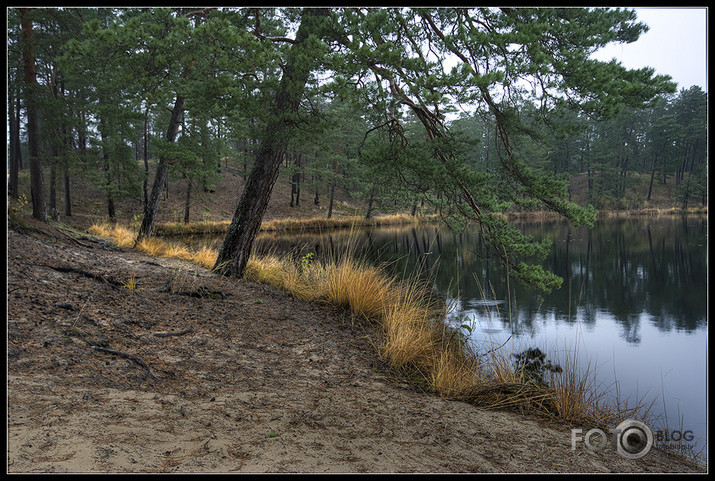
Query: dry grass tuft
{"points": [[205, 257], [362, 289], [122, 236], [152, 246], [455, 374], [410, 339]]}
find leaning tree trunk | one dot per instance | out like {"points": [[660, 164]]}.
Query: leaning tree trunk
{"points": [[152, 205], [236, 247]]}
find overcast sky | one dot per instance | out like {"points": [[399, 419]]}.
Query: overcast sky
{"points": [[675, 45]]}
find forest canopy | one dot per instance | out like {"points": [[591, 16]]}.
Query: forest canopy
{"points": [[474, 111]]}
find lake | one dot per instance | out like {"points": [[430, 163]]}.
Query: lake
{"points": [[632, 307]]}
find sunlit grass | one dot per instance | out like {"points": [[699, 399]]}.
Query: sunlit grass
{"points": [[122, 236], [290, 224], [362, 289], [152, 246], [178, 252], [204, 256]]}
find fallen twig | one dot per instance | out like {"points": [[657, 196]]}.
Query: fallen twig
{"points": [[72, 238], [126, 356], [66, 305], [492, 350], [86, 274], [169, 334], [204, 292]]}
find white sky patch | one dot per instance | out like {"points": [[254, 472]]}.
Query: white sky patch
{"points": [[675, 45]]}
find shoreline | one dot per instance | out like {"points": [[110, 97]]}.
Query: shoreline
{"points": [[455, 459], [322, 224], [452, 376]]}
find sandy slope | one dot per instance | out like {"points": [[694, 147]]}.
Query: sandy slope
{"points": [[253, 382]]}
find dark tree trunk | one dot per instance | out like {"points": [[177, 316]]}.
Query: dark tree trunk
{"points": [[37, 184], [68, 200], [245, 158], [18, 108], [369, 204], [652, 175], [12, 186], [145, 185], [104, 138], [161, 177], [220, 143], [295, 181], [236, 248], [187, 206], [332, 190], [57, 151], [53, 187], [67, 142]]}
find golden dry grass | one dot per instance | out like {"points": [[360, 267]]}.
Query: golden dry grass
{"points": [[204, 256], [121, 236], [289, 225]]}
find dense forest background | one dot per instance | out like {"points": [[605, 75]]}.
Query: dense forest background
{"points": [[106, 82]]}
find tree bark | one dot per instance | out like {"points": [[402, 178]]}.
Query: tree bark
{"points": [[295, 181], [152, 206], [236, 248], [18, 108], [37, 185], [104, 137], [145, 184], [68, 199], [53, 186], [652, 175], [187, 206], [332, 190], [368, 214], [12, 187]]}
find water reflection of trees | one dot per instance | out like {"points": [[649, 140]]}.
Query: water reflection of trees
{"points": [[633, 269]]}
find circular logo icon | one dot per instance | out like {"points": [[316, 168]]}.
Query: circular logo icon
{"points": [[633, 439]]}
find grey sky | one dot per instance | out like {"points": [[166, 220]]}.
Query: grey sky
{"points": [[675, 45]]}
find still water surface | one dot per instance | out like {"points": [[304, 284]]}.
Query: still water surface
{"points": [[632, 308]]}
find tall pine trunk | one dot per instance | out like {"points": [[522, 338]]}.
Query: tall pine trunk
{"points": [[37, 184], [652, 175], [68, 199], [236, 248], [12, 187], [332, 190], [53, 186], [187, 205], [145, 184]]}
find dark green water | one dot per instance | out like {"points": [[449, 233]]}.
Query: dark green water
{"points": [[633, 305]]}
